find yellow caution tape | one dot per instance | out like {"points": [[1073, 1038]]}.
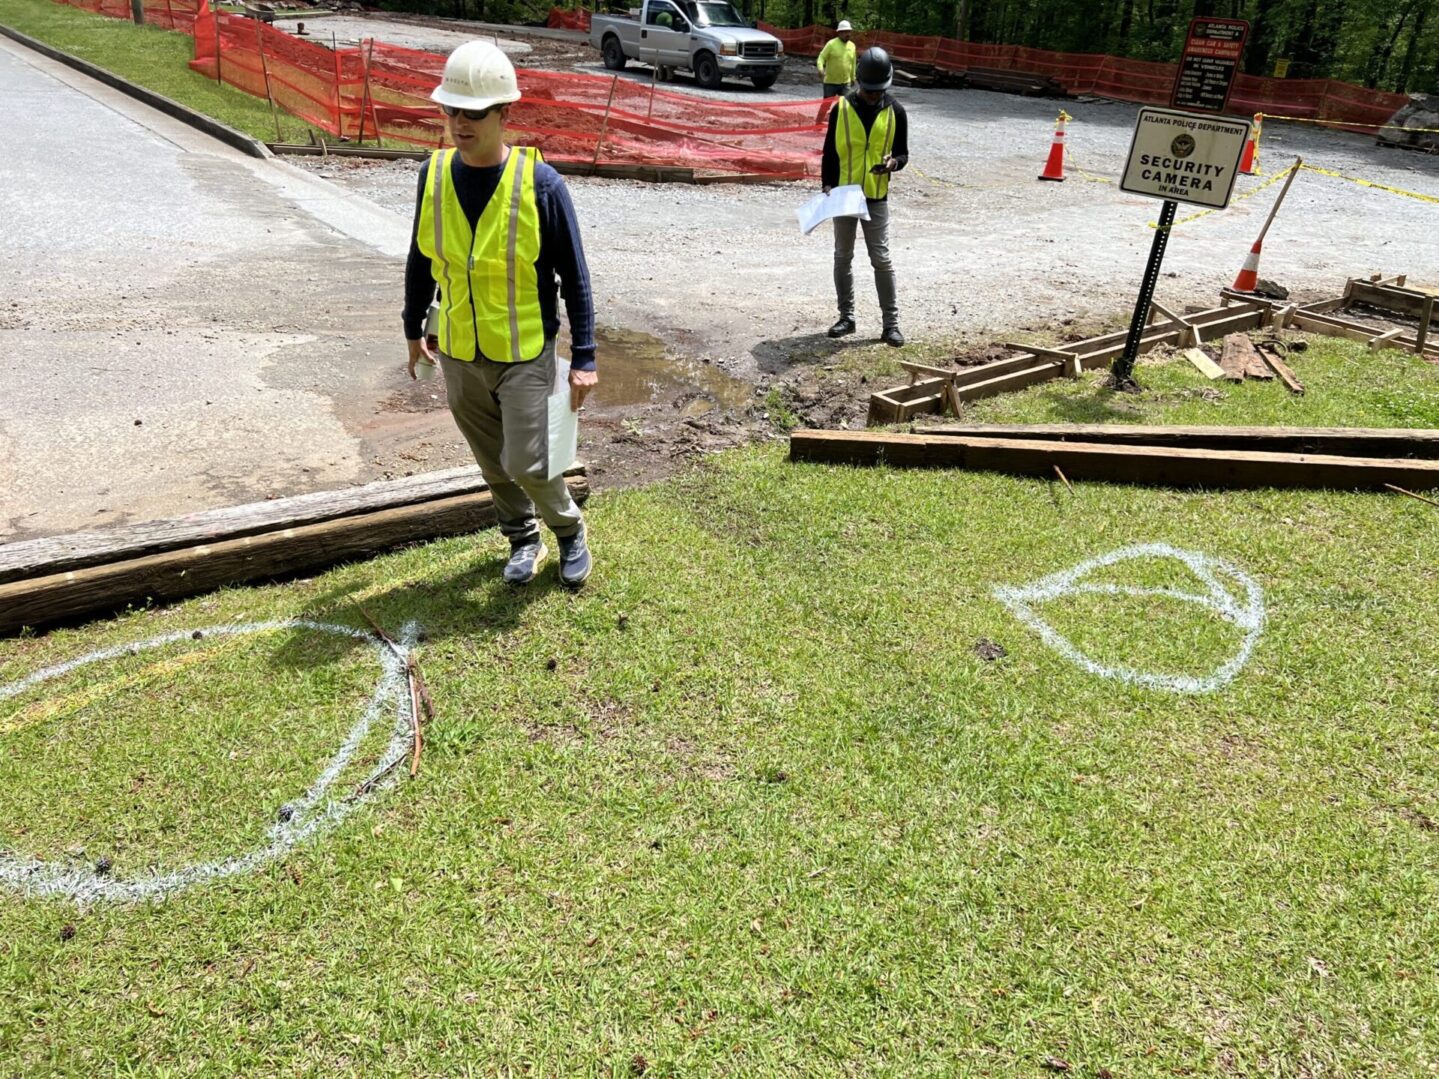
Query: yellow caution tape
{"points": [[1082, 174], [1347, 123], [1237, 198], [1308, 168], [1370, 183]]}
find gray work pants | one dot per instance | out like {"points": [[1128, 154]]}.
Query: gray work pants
{"points": [[501, 410], [876, 239]]}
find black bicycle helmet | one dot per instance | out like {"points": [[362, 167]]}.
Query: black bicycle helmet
{"points": [[874, 71]]}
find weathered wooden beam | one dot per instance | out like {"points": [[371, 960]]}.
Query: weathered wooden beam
{"points": [[76, 550], [1170, 466], [188, 571], [1402, 301], [1396, 442], [1282, 369]]}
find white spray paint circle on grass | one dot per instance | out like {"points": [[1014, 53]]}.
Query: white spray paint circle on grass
{"points": [[311, 814], [1247, 614]]}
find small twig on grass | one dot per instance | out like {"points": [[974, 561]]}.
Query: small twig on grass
{"points": [[380, 633], [1411, 494], [413, 671], [419, 697], [1060, 473]]}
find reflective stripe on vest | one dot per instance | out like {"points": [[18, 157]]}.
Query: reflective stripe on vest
{"points": [[860, 150], [489, 291]]}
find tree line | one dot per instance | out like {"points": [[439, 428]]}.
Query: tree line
{"points": [[1383, 44]]}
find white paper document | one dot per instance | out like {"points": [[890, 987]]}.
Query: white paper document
{"points": [[564, 433], [847, 201]]}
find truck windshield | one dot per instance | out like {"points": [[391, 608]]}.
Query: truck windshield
{"points": [[712, 13]]}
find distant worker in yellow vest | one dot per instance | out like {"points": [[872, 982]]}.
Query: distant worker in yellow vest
{"points": [[496, 232], [867, 143], [837, 60]]}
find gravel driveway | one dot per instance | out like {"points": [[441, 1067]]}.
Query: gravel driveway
{"points": [[981, 247]]}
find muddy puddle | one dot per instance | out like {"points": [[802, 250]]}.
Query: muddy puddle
{"points": [[636, 370]]}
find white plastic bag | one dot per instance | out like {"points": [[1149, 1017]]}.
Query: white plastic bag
{"points": [[564, 422]]}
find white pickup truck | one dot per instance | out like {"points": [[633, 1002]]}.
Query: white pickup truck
{"points": [[707, 37]]}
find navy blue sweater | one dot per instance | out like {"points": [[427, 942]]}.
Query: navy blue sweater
{"points": [[561, 261]]}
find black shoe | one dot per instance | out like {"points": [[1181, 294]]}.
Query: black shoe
{"points": [[892, 337], [575, 562], [527, 556], [843, 328]]}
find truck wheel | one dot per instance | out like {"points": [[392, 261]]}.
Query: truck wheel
{"points": [[613, 53], [707, 71], [764, 82]]}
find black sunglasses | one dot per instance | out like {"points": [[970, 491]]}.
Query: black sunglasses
{"points": [[468, 114]]}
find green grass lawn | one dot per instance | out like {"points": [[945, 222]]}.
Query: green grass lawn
{"points": [[153, 58], [752, 805]]}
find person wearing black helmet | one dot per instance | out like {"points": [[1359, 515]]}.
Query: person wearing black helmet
{"points": [[867, 143]]}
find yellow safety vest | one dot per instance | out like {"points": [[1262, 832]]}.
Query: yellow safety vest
{"points": [[836, 61], [860, 150], [489, 291]]}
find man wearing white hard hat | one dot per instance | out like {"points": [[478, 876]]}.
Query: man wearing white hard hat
{"points": [[495, 230], [837, 60]]}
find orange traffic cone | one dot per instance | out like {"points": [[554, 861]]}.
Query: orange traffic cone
{"points": [[1054, 167], [1249, 163], [1248, 279]]}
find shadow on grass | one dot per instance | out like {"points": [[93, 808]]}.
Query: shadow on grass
{"points": [[470, 600]]}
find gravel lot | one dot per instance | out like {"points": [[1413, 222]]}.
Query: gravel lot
{"points": [[981, 247]]}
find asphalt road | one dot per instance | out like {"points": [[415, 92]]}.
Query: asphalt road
{"points": [[184, 327]]}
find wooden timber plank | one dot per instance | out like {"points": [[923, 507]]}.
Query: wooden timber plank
{"points": [[40, 601], [1398, 442], [1207, 367], [1403, 301], [1283, 370], [76, 550], [1170, 466], [926, 369], [1378, 341], [968, 376], [1013, 380]]}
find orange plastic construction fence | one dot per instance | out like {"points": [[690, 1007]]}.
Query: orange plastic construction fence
{"points": [[560, 19], [383, 91], [1141, 81]]}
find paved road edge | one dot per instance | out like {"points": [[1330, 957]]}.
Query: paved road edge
{"points": [[214, 128]]}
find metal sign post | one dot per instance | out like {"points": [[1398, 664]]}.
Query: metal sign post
{"points": [[1177, 157], [1180, 157]]}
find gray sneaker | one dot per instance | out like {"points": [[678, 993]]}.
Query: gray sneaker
{"points": [[575, 562], [527, 556]]}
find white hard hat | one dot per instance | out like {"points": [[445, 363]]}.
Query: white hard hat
{"points": [[843, 25], [477, 75]]}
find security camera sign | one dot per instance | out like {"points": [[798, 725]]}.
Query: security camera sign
{"points": [[1183, 157]]}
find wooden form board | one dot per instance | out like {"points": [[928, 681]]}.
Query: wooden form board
{"points": [[1170, 466], [1401, 301], [187, 571], [1318, 317], [1397, 442], [76, 550], [1040, 364]]}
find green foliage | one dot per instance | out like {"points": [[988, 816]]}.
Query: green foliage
{"points": [[1388, 44]]}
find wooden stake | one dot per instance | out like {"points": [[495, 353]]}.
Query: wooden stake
{"points": [[605, 124], [1293, 172], [1424, 319], [1411, 494], [1060, 473], [265, 68], [365, 97]]}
